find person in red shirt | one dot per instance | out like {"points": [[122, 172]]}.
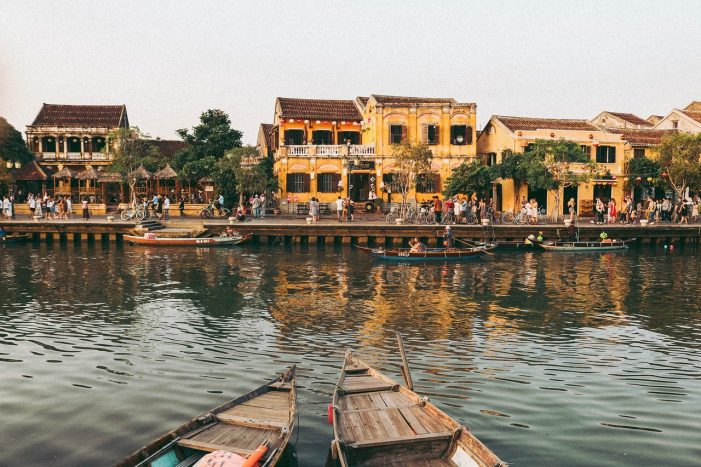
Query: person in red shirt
{"points": [[437, 209]]}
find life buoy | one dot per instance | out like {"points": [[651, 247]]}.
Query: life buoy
{"points": [[329, 414]]}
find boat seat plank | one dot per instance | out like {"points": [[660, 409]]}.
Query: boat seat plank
{"points": [[228, 437], [413, 422], [253, 422], [428, 420], [441, 436], [259, 413], [367, 387], [211, 447]]}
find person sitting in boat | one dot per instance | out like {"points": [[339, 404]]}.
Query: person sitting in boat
{"points": [[241, 213], [417, 246], [229, 232], [448, 239]]}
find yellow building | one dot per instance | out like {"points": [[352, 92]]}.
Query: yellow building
{"points": [[324, 147], [606, 148]]}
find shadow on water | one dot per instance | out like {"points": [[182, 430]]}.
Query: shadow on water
{"points": [[589, 358]]}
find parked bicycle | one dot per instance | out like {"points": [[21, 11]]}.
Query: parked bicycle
{"points": [[131, 213], [211, 211]]}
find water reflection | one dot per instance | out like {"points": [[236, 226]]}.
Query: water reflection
{"points": [[589, 358]]}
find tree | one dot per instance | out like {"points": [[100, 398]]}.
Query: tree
{"points": [[131, 149], [240, 172], [564, 164], [12, 146], [678, 156], [410, 159], [639, 169], [514, 166], [470, 178], [207, 143]]}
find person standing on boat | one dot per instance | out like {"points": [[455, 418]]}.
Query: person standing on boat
{"points": [[448, 239]]}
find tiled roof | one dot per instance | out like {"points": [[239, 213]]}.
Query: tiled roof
{"points": [[29, 171], [642, 136], [630, 118], [267, 129], [693, 114], [84, 116], [412, 100], [362, 101], [695, 105], [530, 124], [321, 109], [168, 147]]}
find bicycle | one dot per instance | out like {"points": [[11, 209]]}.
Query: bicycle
{"points": [[507, 217], [131, 213], [391, 217], [448, 218], [210, 211], [425, 217]]}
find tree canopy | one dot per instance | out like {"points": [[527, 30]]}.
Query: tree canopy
{"points": [[470, 178], [678, 157], [239, 173], [12, 146], [132, 149], [207, 143], [410, 159]]}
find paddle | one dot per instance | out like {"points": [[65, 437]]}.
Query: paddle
{"points": [[473, 246]]}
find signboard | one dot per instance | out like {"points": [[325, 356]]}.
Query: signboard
{"points": [[209, 188]]}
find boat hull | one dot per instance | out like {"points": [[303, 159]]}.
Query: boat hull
{"points": [[614, 245], [431, 254], [248, 413], [18, 238], [187, 241]]}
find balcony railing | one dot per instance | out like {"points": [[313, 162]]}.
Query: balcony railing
{"points": [[327, 150], [74, 156], [297, 150], [100, 156], [48, 156], [362, 150]]}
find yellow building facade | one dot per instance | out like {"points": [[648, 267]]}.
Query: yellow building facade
{"points": [[330, 148]]}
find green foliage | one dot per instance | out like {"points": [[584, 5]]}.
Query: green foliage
{"points": [[642, 167], [410, 160], [470, 178], [239, 173], [131, 149], [678, 156], [12, 146], [207, 143]]}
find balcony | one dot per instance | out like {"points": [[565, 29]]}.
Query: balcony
{"points": [[327, 150], [48, 156], [73, 156]]}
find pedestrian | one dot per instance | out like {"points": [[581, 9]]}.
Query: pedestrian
{"points": [[571, 208], [612, 211], [349, 209], [32, 203], [6, 208], [314, 209], [457, 210], [339, 208], [86, 210], [437, 208], [262, 204], [255, 204], [181, 207], [69, 207], [166, 206], [159, 206]]}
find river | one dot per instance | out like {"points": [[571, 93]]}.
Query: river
{"points": [[550, 359]]}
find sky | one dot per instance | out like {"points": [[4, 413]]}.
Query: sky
{"points": [[169, 61]]}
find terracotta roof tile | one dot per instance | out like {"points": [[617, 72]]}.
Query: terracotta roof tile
{"points": [[321, 109], [530, 124], [693, 114], [412, 100], [641, 137], [630, 118], [85, 116], [30, 171], [267, 129], [167, 147]]}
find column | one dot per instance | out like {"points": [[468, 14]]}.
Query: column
{"points": [[56, 147], [82, 147], [41, 145]]}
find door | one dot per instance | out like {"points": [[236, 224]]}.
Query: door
{"points": [[569, 193], [360, 187], [541, 196]]}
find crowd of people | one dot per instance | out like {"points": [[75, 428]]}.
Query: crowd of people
{"points": [[652, 210]]}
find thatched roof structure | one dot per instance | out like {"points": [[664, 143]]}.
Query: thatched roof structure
{"points": [[109, 177], [88, 174], [141, 173], [166, 172], [64, 173]]}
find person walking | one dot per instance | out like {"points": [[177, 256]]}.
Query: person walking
{"points": [[86, 209], [32, 203], [339, 208], [166, 206], [571, 208], [6, 208], [255, 204], [437, 208], [314, 209], [262, 204], [69, 207], [181, 207]]}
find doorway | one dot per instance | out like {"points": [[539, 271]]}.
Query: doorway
{"points": [[360, 186], [541, 196], [568, 193]]}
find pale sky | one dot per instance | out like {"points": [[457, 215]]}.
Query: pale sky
{"points": [[169, 61]]}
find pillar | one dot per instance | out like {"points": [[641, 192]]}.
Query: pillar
{"points": [[82, 148]]}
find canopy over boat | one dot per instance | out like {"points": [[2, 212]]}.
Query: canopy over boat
{"points": [[265, 416], [378, 422]]}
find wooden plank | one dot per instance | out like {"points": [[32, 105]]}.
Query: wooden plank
{"points": [[413, 422], [445, 435], [430, 422], [400, 422], [209, 447], [246, 421]]}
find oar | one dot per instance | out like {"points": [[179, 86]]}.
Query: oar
{"points": [[405, 363], [473, 246]]}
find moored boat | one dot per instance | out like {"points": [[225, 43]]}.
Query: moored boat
{"points": [[16, 238], [263, 417], [581, 246], [186, 241], [429, 254], [377, 421]]}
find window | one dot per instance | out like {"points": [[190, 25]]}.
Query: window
{"points": [[344, 136], [98, 144], [529, 147], [294, 137], [606, 155], [48, 144], [73, 144], [397, 134], [427, 183], [492, 159], [327, 183], [586, 150], [675, 124], [460, 135], [388, 180], [321, 137], [430, 134], [297, 183], [638, 152]]}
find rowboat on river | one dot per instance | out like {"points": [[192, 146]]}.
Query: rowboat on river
{"points": [[238, 429], [15, 238], [378, 422], [152, 240], [581, 246], [429, 254]]}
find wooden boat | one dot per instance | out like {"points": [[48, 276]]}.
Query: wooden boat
{"points": [[430, 254], [239, 426], [187, 241], [582, 246], [377, 422], [16, 238]]}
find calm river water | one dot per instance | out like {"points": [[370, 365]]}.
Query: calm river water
{"points": [[551, 359]]}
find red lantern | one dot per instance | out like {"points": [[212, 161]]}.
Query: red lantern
{"points": [[664, 174], [638, 179]]}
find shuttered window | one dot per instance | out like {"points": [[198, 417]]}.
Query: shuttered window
{"points": [[327, 183], [294, 137], [397, 134], [586, 150], [298, 183], [460, 135], [321, 137], [428, 183], [430, 134]]}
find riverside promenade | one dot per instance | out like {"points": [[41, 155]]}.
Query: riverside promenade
{"points": [[366, 230]]}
